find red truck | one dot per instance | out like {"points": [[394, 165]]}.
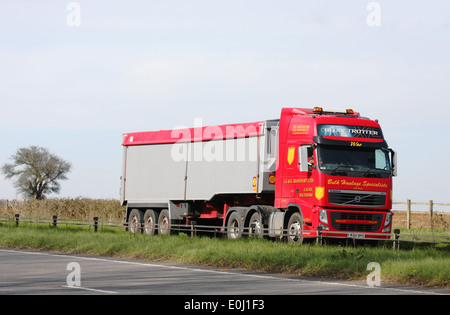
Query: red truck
{"points": [[309, 170]]}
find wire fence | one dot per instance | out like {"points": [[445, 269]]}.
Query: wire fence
{"points": [[320, 236]]}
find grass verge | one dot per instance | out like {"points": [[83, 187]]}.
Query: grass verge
{"points": [[422, 265]]}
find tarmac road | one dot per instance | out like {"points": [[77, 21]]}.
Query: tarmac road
{"points": [[29, 272]]}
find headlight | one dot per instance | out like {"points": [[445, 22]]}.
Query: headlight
{"points": [[387, 221], [323, 216]]}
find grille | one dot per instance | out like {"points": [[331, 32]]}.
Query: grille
{"points": [[357, 198], [348, 226], [358, 216]]}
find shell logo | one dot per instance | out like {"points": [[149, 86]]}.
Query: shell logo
{"points": [[272, 179]]}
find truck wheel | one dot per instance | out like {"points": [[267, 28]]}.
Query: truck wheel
{"points": [[164, 222], [294, 228], [258, 227], [150, 222], [234, 226], [134, 221]]}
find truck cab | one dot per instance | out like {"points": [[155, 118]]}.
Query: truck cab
{"points": [[335, 169]]}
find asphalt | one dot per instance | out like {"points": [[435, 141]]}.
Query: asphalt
{"points": [[26, 272]]}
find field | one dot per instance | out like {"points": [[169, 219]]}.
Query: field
{"points": [[420, 221], [65, 208], [420, 264], [110, 210]]}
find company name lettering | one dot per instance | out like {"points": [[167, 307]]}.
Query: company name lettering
{"points": [[355, 184], [350, 131], [346, 131]]}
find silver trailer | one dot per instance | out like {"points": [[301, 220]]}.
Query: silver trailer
{"points": [[171, 175]]}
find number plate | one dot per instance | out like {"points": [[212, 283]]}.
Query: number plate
{"points": [[356, 235]]}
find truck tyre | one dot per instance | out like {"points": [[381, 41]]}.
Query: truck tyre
{"points": [[134, 221], [255, 220], [234, 226], [150, 222], [164, 223], [294, 228]]}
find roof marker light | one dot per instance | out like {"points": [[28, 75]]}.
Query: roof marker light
{"points": [[318, 110]]}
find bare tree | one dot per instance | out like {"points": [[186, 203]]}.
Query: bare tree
{"points": [[37, 172]]}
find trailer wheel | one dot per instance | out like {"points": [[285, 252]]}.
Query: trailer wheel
{"points": [[164, 222], [134, 221], [294, 228], [150, 222], [258, 226], [234, 226]]}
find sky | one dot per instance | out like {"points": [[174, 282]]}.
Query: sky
{"points": [[76, 75]]}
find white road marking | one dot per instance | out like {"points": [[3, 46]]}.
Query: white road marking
{"points": [[89, 289]]}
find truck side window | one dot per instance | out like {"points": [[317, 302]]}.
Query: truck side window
{"points": [[305, 154]]}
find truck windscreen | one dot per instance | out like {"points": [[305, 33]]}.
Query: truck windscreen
{"points": [[355, 162]]}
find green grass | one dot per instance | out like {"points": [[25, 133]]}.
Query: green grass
{"points": [[420, 265]]}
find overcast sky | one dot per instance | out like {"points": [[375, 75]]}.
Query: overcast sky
{"points": [[75, 77]]}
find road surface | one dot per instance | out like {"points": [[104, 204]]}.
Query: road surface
{"points": [[47, 273]]}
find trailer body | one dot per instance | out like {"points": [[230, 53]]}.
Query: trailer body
{"points": [[287, 174]]}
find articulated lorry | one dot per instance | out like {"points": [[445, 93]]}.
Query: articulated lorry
{"points": [[309, 170]]}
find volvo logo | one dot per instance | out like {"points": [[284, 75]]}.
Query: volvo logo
{"points": [[357, 199]]}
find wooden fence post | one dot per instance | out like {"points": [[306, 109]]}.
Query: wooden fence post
{"points": [[193, 224], [319, 239], [95, 224], [408, 213], [396, 239], [431, 214]]}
